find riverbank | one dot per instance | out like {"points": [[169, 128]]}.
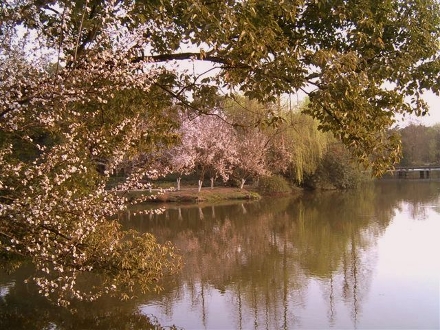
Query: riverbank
{"points": [[192, 195]]}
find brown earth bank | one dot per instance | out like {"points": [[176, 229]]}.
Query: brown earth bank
{"points": [[192, 195]]}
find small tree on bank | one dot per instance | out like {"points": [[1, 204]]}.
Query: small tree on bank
{"points": [[181, 158], [251, 156], [212, 142]]}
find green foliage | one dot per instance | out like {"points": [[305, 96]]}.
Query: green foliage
{"points": [[335, 171], [420, 145], [273, 185], [305, 144], [293, 144]]}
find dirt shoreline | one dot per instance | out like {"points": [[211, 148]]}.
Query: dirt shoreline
{"points": [[192, 195]]}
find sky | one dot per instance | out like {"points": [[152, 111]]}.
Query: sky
{"points": [[432, 118]]}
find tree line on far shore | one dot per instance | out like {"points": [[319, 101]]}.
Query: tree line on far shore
{"points": [[420, 145], [235, 145]]}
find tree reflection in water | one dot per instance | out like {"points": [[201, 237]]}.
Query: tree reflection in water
{"points": [[22, 308], [247, 265]]}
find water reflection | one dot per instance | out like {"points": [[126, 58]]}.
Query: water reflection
{"points": [[286, 263], [22, 308]]}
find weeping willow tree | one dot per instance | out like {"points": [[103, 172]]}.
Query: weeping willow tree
{"points": [[306, 145], [293, 144], [311, 157]]}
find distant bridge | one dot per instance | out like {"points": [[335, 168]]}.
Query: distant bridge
{"points": [[416, 172]]}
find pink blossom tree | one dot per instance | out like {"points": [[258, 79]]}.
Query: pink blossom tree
{"points": [[73, 108], [213, 142], [181, 159], [251, 162]]}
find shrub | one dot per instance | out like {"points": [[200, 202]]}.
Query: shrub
{"points": [[273, 185], [336, 171]]}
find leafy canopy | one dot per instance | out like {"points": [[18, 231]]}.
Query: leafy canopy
{"points": [[360, 62]]}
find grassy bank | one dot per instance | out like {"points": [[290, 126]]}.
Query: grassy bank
{"points": [[192, 195]]}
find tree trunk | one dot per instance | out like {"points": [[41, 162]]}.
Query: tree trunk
{"points": [[200, 185], [212, 183], [178, 183], [242, 183]]}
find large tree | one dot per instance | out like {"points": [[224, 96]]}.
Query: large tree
{"points": [[359, 62], [86, 83]]}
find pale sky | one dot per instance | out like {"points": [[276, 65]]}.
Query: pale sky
{"points": [[432, 118]]}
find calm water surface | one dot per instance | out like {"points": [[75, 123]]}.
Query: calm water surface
{"points": [[366, 259]]}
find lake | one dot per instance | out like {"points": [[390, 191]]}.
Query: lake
{"points": [[365, 259]]}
